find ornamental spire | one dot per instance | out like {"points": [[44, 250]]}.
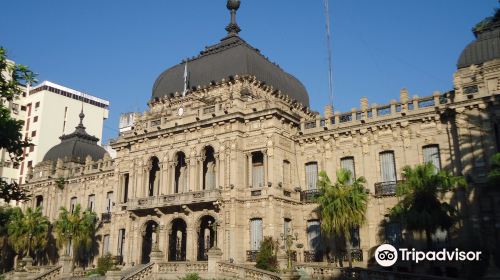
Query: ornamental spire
{"points": [[232, 28]]}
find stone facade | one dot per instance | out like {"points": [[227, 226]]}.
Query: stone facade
{"points": [[184, 172]]}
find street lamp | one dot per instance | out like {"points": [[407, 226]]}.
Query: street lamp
{"points": [[288, 238]]}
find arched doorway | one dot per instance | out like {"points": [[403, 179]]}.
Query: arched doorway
{"points": [[149, 237], [206, 237], [154, 171], [180, 179], [209, 168], [177, 241]]}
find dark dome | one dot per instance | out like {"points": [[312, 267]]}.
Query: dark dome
{"points": [[486, 47], [232, 56], [76, 146]]}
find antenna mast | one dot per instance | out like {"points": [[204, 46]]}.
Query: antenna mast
{"points": [[329, 49]]}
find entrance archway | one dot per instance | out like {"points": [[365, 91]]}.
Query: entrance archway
{"points": [[206, 237], [149, 237], [177, 241]]}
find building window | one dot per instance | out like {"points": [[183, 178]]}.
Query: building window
{"points": [[355, 239], [33, 133], [257, 169], [387, 166], [91, 203], [27, 124], [30, 164], [180, 181], [209, 169], [311, 175], [109, 202], [255, 234], [347, 163], [313, 235], [125, 187], [35, 119], [121, 241], [286, 173], [154, 178], [287, 226], [37, 104], [72, 204], [393, 233], [39, 201], [431, 154], [32, 148], [105, 245]]}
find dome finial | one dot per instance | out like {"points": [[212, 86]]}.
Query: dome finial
{"points": [[232, 28]]}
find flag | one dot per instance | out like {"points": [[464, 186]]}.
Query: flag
{"points": [[185, 79]]}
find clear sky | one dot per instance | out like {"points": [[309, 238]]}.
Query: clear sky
{"points": [[116, 49]]}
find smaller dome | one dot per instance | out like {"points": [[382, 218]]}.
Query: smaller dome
{"points": [[76, 146], [486, 47]]}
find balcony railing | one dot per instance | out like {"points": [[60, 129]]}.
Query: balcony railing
{"points": [[106, 217], [309, 195], [356, 254], [173, 199], [252, 255], [313, 256], [386, 188]]}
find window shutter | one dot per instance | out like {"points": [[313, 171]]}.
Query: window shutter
{"points": [[348, 164], [258, 176], [387, 167], [313, 234], [311, 175], [255, 234], [431, 154]]}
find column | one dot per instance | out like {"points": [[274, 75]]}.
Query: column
{"points": [[200, 173], [266, 167], [190, 244], [216, 170], [249, 170]]}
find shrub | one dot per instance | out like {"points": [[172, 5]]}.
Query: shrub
{"points": [[191, 276], [267, 256], [104, 264]]}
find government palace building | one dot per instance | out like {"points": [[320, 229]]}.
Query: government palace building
{"points": [[228, 152]]}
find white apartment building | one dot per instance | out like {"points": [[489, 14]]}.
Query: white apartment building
{"points": [[52, 110]]}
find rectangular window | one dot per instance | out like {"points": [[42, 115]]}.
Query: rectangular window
{"points": [[121, 241], [105, 245], [30, 163], [431, 154], [27, 124], [311, 175], [35, 119], [313, 235], [255, 234], [109, 202], [347, 163], [257, 170], [387, 167], [91, 203], [286, 173], [72, 204], [393, 233], [37, 104], [32, 148], [39, 201], [355, 239], [287, 226], [125, 187], [33, 133]]}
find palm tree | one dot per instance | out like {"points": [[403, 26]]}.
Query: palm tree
{"points": [[28, 232], [342, 205], [420, 208], [494, 174], [75, 230]]}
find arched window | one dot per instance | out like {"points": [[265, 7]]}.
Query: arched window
{"points": [[154, 172], [180, 180], [311, 175], [209, 169]]}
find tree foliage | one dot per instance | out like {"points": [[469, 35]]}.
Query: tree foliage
{"points": [[494, 174], [267, 258], [6, 251], [28, 232], [12, 78], [77, 228], [420, 208]]}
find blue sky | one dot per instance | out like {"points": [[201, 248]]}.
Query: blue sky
{"points": [[116, 49]]}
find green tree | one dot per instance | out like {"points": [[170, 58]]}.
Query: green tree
{"points": [[75, 230], [28, 232], [6, 251], [420, 207], [342, 206], [267, 258], [494, 174], [12, 78]]}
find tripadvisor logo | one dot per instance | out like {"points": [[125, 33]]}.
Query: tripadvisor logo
{"points": [[386, 255]]}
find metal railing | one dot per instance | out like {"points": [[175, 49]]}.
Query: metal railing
{"points": [[386, 188], [308, 195], [313, 256], [252, 255], [106, 217]]}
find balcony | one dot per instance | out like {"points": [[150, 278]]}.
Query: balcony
{"points": [[309, 195], [106, 217], [386, 188], [313, 256], [252, 255], [356, 254], [173, 199]]}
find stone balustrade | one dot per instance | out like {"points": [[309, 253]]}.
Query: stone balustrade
{"points": [[174, 199], [226, 269]]}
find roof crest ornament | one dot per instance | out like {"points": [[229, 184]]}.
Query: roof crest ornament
{"points": [[232, 28]]}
